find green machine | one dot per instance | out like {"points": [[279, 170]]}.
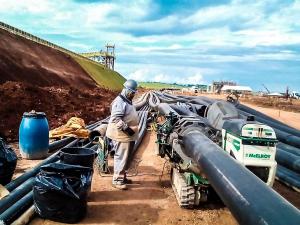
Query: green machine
{"points": [[251, 143], [190, 185]]}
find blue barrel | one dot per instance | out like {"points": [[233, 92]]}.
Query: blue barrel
{"points": [[34, 135]]}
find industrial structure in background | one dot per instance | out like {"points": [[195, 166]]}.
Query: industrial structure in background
{"points": [[216, 86], [227, 87], [106, 57]]}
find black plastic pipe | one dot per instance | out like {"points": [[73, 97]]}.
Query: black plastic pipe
{"points": [[165, 109], [281, 135], [249, 199], [59, 144], [142, 131], [288, 148], [144, 100], [16, 210], [88, 145], [31, 173], [288, 177], [287, 138], [16, 194], [183, 111], [153, 101], [288, 160], [269, 121], [164, 99]]}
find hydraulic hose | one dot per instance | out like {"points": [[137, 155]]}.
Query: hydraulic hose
{"points": [[249, 199]]}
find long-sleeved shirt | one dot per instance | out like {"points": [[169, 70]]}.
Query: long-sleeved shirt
{"points": [[123, 115]]}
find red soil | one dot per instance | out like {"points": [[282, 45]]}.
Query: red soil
{"points": [[59, 104], [22, 60], [36, 77]]}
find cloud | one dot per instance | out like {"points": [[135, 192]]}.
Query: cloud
{"points": [[194, 79], [139, 74], [247, 41], [165, 74], [28, 6], [82, 47]]}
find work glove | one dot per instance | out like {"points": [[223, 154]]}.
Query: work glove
{"points": [[129, 131], [121, 125]]}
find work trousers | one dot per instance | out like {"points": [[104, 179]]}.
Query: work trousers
{"points": [[122, 152]]}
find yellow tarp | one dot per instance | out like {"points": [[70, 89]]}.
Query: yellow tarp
{"points": [[75, 127]]}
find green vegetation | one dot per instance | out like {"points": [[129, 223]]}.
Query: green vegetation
{"points": [[158, 85], [104, 77]]}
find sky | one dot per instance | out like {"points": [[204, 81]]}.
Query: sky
{"points": [[187, 42]]}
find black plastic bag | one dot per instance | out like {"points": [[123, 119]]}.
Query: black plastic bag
{"points": [[8, 162], [60, 192]]}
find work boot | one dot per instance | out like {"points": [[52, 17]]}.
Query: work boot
{"points": [[119, 185], [127, 181]]}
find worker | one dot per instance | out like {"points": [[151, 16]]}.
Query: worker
{"points": [[122, 129]]}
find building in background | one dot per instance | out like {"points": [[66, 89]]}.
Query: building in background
{"points": [[216, 86], [236, 88]]}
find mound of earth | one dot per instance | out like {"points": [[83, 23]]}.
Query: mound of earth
{"points": [[59, 103], [22, 60]]}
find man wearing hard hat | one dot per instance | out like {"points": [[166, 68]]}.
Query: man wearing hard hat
{"points": [[123, 130]]}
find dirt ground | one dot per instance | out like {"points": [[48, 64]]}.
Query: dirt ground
{"points": [[150, 199], [292, 105]]}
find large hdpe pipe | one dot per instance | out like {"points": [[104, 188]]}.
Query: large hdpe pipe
{"points": [[165, 109], [269, 121], [183, 111], [288, 160], [144, 100], [165, 99], [281, 135], [287, 138], [288, 177], [288, 148], [142, 130], [249, 199], [153, 101]]}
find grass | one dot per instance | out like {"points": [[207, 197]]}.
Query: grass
{"points": [[103, 77], [158, 85]]}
